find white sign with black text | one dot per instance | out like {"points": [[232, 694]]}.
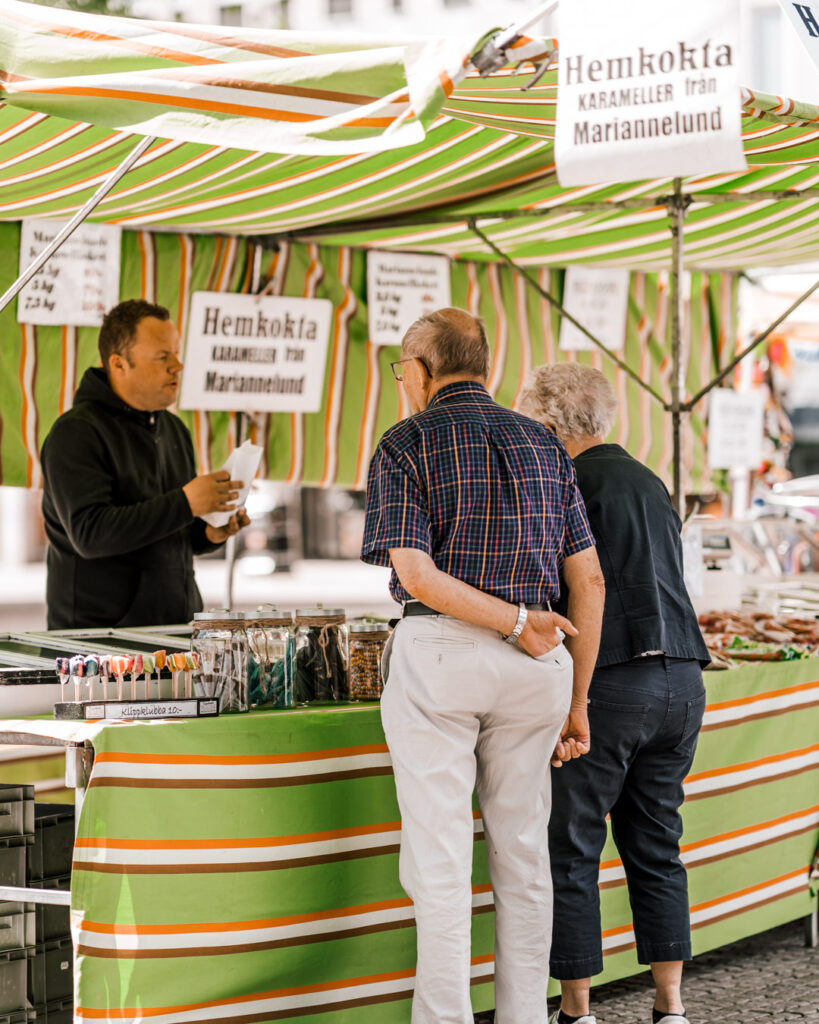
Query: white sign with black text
{"points": [[647, 90], [805, 19], [401, 286], [735, 429], [79, 283], [248, 353], [598, 299]]}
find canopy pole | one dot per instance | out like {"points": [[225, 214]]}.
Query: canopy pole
{"points": [[533, 283], [749, 348], [677, 204], [230, 547], [65, 233]]}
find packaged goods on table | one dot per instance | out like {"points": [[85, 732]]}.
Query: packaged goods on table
{"points": [[321, 655], [271, 641], [220, 643], [367, 643], [758, 636]]}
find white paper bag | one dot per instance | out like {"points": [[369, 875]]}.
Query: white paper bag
{"points": [[242, 464]]}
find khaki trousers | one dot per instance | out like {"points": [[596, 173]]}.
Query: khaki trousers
{"points": [[462, 709]]}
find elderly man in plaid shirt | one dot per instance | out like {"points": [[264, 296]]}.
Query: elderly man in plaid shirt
{"points": [[476, 509]]}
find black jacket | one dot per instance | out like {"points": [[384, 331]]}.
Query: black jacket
{"points": [[638, 543], [121, 533]]}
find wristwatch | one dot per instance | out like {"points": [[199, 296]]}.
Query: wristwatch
{"points": [[522, 616]]}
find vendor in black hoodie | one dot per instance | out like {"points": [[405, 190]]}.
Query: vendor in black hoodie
{"points": [[121, 498]]}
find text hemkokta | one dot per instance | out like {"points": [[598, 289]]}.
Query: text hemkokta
{"points": [[253, 353], [618, 59]]}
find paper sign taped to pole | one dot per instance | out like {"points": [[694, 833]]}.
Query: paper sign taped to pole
{"points": [[79, 283], [401, 286], [805, 19], [647, 90], [735, 429], [250, 353], [598, 299]]}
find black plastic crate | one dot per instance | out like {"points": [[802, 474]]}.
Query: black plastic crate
{"points": [[13, 980], [53, 841], [13, 855], [53, 922], [59, 1012], [22, 1017], [51, 972], [17, 925], [16, 810]]}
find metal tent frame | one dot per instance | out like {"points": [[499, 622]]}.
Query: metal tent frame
{"points": [[676, 204]]}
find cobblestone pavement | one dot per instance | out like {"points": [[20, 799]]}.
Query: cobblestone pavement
{"points": [[772, 978]]}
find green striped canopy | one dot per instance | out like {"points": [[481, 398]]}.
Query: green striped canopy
{"points": [[268, 132], [387, 143]]}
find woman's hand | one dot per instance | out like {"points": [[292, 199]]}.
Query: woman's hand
{"points": [[575, 739]]}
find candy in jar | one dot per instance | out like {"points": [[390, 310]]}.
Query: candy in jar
{"points": [[367, 643]]}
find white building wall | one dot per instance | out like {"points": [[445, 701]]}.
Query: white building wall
{"points": [[771, 57]]}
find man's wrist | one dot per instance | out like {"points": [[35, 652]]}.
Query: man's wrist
{"points": [[520, 622]]}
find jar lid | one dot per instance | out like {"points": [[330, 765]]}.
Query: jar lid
{"points": [[369, 627], [317, 613], [218, 614]]}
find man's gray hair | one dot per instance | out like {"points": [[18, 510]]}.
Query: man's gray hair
{"points": [[449, 341], [573, 399]]}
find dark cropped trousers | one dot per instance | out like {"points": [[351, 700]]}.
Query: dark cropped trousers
{"points": [[644, 717]]}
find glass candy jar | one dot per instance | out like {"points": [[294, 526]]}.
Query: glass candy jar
{"points": [[367, 643], [321, 655], [220, 641], [271, 642]]}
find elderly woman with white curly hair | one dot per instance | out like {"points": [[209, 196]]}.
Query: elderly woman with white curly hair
{"points": [[645, 708]]}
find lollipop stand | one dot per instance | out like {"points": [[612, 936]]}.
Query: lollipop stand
{"points": [[96, 678], [136, 710]]}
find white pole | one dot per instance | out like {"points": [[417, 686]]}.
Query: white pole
{"points": [[77, 219]]}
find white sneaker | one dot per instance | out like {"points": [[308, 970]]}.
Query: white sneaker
{"points": [[673, 1018], [588, 1019]]}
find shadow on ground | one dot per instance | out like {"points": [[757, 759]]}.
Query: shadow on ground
{"points": [[772, 978]]}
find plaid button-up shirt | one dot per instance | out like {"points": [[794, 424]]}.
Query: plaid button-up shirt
{"points": [[489, 494]]}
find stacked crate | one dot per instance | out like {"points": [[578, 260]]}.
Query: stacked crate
{"points": [[51, 974], [17, 920]]}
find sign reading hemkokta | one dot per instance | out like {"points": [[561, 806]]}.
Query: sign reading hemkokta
{"points": [[248, 353], [647, 90], [805, 19]]}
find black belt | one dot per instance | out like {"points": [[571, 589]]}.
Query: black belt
{"points": [[419, 608]]}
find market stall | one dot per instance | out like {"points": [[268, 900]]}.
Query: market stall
{"points": [[245, 868]]}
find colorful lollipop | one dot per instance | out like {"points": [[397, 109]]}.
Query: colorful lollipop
{"points": [[77, 669], [191, 665], [161, 659], [148, 666], [120, 664], [92, 671], [177, 664], [105, 672], [63, 671]]}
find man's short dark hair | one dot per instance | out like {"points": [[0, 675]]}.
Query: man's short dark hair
{"points": [[118, 331], [450, 341]]}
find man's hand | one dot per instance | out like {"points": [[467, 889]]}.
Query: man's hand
{"points": [[574, 737], [540, 634], [212, 492], [219, 534]]}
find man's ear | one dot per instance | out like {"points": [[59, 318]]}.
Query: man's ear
{"points": [[116, 363]]}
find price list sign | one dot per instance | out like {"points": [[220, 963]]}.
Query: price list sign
{"points": [[401, 286], [735, 429], [78, 284]]}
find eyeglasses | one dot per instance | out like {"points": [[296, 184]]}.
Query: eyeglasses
{"points": [[400, 376]]}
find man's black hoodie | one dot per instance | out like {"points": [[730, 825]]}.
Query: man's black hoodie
{"points": [[121, 532]]}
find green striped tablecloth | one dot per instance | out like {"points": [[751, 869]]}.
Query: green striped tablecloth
{"points": [[246, 869]]}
